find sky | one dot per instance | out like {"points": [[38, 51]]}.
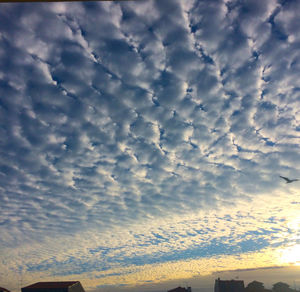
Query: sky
{"points": [[142, 142]]}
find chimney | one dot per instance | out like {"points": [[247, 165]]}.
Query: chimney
{"points": [[217, 285]]}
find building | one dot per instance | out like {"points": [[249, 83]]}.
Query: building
{"points": [[229, 286], [180, 289], [72, 286]]}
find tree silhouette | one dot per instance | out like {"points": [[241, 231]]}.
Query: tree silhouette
{"points": [[281, 287], [255, 286]]}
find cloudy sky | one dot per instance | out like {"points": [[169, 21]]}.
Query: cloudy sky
{"points": [[142, 141]]}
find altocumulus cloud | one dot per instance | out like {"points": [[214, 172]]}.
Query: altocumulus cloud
{"points": [[137, 137]]}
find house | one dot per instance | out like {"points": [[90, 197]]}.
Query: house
{"points": [[180, 289], [72, 286], [229, 285]]}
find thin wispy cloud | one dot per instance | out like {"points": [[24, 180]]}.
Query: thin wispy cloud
{"points": [[141, 136]]}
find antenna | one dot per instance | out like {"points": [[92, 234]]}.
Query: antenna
{"points": [[20, 278], [20, 272]]}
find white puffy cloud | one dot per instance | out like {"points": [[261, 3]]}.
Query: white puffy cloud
{"points": [[145, 112]]}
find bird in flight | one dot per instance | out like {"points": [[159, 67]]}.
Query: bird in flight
{"points": [[288, 181]]}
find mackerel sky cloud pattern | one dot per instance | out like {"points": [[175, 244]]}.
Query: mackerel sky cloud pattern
{"points": [[138, 136]]}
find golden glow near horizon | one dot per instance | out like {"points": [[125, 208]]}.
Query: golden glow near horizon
{"points": [[123, 244], [132, 275], [291, 255]]}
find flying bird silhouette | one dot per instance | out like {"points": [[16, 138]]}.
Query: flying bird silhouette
{"points": [[288, 181]]}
